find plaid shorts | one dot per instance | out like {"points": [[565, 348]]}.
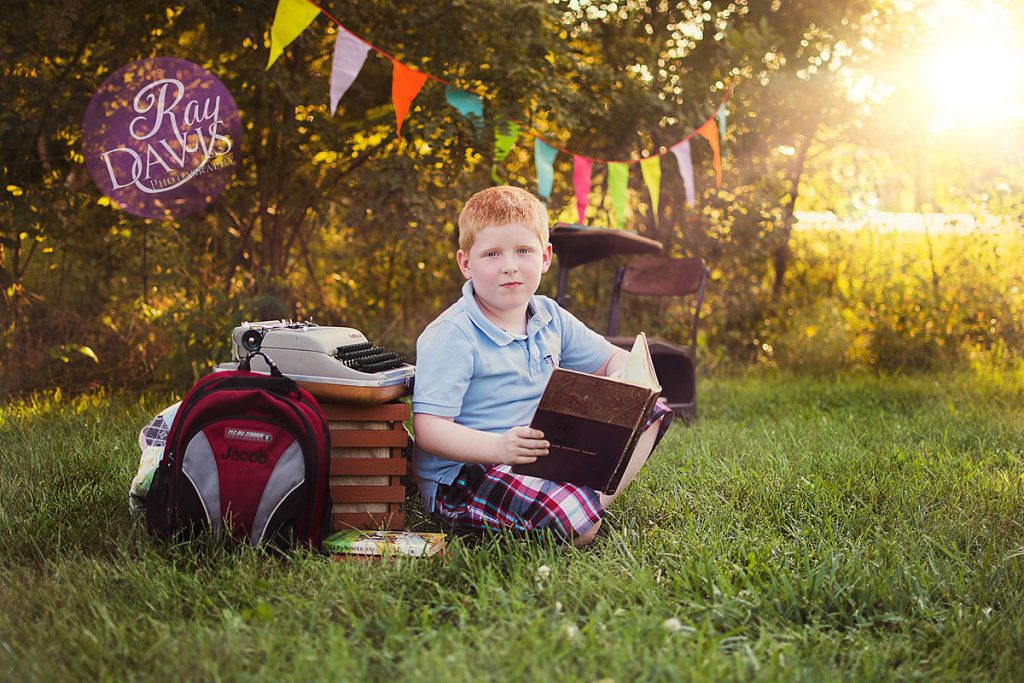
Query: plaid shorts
{"points": [[493, 498]]}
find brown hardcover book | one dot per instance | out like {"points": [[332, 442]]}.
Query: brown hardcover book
{"points": [[593, 423]]}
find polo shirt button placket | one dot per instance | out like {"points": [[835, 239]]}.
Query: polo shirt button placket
{"points": [[533, 356]]}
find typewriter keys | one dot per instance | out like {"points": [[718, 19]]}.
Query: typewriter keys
{"points": [[366, 357]]}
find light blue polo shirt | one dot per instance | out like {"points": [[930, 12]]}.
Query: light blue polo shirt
{"points": [[470, 369]]}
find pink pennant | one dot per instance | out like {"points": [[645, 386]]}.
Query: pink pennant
{"points": [[581, 183]]}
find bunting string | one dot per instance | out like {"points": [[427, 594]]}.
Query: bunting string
{"points": [[292, 17]]}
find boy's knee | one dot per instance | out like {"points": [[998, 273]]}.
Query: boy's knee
{"points": [[587, 537]]}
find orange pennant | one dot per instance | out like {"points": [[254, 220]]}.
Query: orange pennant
{"points": [[709, 131], [405, 86]]}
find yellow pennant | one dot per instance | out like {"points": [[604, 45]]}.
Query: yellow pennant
{"points": [[291, 18], [650, 169]]}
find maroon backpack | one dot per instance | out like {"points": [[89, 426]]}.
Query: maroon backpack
{"points": [[246, 451]]}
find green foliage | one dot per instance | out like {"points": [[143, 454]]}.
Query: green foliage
{"points": [[853, 528], [333, 217], [902, 301]]}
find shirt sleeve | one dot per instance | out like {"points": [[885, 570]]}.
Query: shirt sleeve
{"points": [[444, 365], [582, 348]]}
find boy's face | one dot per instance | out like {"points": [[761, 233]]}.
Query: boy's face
{"points": [[505, 264]]}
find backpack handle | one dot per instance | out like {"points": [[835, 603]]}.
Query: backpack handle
{"points": [[244, 364]]}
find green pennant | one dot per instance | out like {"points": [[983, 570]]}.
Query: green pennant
{"points": [[505, 136], [618, 181]]}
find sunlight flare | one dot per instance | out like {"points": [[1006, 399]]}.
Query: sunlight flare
{"points": [[974, 65]]}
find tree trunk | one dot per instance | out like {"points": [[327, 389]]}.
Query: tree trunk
{"points": [[781, 254]]}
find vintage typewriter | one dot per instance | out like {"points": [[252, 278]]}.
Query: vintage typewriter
{"points": [[336, 364]]}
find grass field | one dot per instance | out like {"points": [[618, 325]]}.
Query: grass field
{"points": [[852, 528]]}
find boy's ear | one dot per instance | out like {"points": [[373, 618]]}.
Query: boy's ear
{"points": [[546, 258], [463, 260]]}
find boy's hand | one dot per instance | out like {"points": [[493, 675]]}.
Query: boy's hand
{"points": [[521, 446]]}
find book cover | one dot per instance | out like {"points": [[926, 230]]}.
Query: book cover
{"points": [[385, 543], [593, 423]]}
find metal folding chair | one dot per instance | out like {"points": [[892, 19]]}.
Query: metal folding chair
{"points": [[676, 365]]}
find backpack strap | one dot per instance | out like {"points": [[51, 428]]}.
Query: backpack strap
{"points": [[244, 365]]}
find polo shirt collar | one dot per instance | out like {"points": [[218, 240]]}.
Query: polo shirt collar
{"points": [[538, 317]]}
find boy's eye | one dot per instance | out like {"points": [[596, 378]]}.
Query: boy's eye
{"points": [[525, 250]]}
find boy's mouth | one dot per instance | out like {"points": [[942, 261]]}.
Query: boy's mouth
{"points": [[511, 284]]}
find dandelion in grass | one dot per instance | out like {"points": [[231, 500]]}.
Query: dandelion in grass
{"points": [[542, 575], [672, 625], [571, 632]]}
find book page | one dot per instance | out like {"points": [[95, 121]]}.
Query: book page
{"points": [[642, 450], [639, 368]]}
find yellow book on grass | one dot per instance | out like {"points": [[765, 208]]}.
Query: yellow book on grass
{"points": [[384, 543]]}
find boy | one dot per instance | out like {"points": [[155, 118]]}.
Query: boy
{"points": [[481, 368]]}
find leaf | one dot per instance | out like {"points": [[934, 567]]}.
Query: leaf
{"points": [[86, 351]]}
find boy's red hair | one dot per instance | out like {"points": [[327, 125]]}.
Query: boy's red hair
{"points": [[498, 206]]}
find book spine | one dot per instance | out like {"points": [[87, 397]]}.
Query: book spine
{"points": [[627, 454]]}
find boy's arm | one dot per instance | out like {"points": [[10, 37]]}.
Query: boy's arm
{"points": [[614, 364], [582, 347], [441, 436]]}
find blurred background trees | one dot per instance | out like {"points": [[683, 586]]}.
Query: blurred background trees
{"points": [[336, 219]]}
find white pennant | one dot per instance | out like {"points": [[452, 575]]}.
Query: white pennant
{"points": [[682, 152], [349, 55]]}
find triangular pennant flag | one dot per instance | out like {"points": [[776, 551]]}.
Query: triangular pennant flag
{"points": [[618, 181], [544, 159], [683, 158], [465, 103], [505, 136], [709, 131], [721, 117], [349, 55], [405, 86], [650, 169], [581, 184], [291, 18]]}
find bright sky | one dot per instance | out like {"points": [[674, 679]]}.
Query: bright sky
{"points": [[973, 66]]}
